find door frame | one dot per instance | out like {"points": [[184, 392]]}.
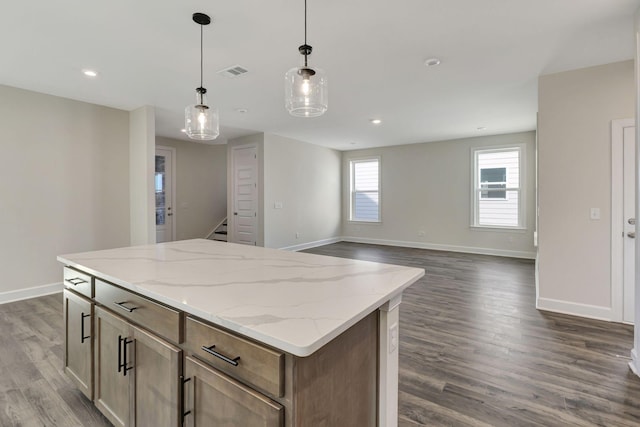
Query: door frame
{"points": [[173, 188], [617, 229]]}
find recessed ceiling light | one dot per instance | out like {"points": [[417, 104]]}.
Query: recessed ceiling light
{"points": [[432, 62], [241, 110], [90, 73], [376, 121], [481, 128]]}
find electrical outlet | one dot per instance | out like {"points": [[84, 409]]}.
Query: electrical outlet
{"points": [[393, 338], [298, 234], [595, 213]]}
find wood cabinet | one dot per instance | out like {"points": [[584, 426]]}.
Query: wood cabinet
{"points": [[214, 399], [81, 283], [78, 342], [112, 392], [252, 363], [137, 380], [156, 377], [143, 364], [162, 320]]}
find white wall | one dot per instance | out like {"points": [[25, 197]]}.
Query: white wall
{"points": [[426, 198], [141, 175], [64, 185], [201, 187], [574, 173], [305, 178]]}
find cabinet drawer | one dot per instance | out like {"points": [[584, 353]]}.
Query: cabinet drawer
{"points": [[81, 283], [242, 359], [151, 315]]}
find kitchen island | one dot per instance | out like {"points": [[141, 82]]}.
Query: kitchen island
{"points": [[282, 338]]}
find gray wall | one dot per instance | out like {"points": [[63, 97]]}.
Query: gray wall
{"points": [[201, 187], [426, 198], [305, 178], [64, 185], [574, 172]]}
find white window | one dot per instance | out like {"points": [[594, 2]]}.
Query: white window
{"points": [[497, 187], [365, 190]]}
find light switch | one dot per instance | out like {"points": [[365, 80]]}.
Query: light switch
{"points": [[277, 205], [595, 213]]}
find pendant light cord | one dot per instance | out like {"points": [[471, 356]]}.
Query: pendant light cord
{"points": [[202, 64], [305, 31]]}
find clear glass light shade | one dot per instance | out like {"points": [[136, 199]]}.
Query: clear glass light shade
{"points": [[306, 95], [201, 122]]}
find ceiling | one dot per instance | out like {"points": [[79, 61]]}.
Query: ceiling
{"points": [[147, 53]]}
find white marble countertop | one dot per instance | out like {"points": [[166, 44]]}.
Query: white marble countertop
{"points": [[292, 301]]}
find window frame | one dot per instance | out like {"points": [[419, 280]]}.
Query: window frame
{"points": [[476, 190], [352, 193]]}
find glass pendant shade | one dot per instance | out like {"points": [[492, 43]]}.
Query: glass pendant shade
{"points": [[306, 92], [201, 121]]}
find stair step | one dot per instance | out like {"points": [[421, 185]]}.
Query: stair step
{"points": [[220, 232]]}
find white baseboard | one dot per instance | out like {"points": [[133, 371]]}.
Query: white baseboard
{"points": [[574, 309], [439, 247], [633, 365], [37, 291], [310, 245]]}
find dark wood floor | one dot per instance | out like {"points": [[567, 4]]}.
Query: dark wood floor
{"points": [[473, 352]]}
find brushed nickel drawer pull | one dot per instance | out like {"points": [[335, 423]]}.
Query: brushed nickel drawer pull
{"points": [[82, 337], [122, 306], [212, 352], [76, 281]]}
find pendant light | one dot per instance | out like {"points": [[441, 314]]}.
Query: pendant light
{"points": [[201, 121], [306, 88]]}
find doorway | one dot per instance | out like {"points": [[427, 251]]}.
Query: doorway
{"points": [[244, 196], [623, 218], [164, 186]]}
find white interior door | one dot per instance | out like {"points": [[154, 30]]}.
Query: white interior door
{"points": [[245, 195], [623, 217], [629, 218], [164, 194]]}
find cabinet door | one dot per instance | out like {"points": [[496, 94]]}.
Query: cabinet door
{"points": [[214, 399], [78, 342], [157, 380], [112, 386]]}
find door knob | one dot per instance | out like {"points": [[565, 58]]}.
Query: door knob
{"points": [[631, 234], [632, 221]]}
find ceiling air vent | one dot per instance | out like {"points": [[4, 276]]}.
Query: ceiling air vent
{"points": [[233, 71]]}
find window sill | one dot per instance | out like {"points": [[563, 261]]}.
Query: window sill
{"points": [[360, 221], [498, 228]]}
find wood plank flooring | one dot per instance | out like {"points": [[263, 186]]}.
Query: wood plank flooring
{"points": [[474, 351], [34, 392]]}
